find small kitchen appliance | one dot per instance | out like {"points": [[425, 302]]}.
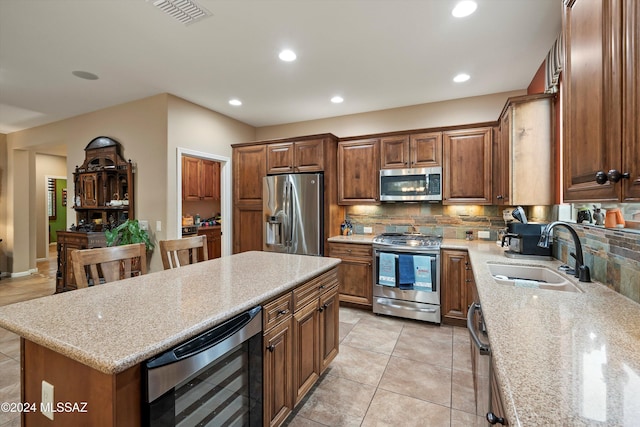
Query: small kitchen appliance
{"points": [[411, 185], [406, 276], [523, 240]]}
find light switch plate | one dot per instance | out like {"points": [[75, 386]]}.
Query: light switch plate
{"points": [[484, 235], [368, 230], [144, 224], [47, 400]]}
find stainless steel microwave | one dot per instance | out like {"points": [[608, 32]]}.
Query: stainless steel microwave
{"points": [[411, 185]]}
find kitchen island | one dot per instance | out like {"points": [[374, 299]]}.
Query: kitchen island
{"points": [[89, 343]]}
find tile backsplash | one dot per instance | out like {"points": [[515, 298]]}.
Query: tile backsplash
{"points": [[612, 255]]}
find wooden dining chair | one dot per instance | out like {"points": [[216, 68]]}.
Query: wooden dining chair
{"points": [[179, 252], [102, 265]]}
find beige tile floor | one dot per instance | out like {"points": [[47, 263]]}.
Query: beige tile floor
{"points": [[393, 372], [390, 372]]}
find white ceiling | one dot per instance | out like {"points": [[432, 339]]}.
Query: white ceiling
{"points": [[377, 54]]}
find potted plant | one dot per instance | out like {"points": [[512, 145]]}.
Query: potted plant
{"points": [[128, 232]]}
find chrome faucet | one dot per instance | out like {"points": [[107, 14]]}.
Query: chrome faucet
{"points": [[581, 270]]}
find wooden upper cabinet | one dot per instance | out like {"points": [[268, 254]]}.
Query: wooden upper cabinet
{"points": [[394, 152], [309, 156], [293, 157], [467, 166], [523, 156], [425, 150], [358, 173], [411, 151], [200, 179], [601, 96], [249, 167]]}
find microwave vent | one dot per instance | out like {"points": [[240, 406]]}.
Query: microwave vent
{"points": [[184, 11]]}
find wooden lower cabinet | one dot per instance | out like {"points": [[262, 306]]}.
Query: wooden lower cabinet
{"points": [[355, 273], [298, 346], [247, 228], [307, 349], [456, 286], [277, 375], [214, 240], [497, 407]]}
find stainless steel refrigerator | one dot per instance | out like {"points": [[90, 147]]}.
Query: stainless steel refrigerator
{"points": [[292, 209]]}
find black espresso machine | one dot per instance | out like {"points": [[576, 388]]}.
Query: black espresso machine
{"points": [[523, 239]]}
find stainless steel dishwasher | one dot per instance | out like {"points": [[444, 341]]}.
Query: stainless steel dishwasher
{"points": [[480, 359], [214, 379]]}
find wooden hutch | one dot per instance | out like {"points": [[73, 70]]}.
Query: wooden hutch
{"points": [[103, 198]]}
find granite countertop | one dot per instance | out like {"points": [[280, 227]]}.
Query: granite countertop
{"points": [[354, 238], [117, 325], [561, 358]]}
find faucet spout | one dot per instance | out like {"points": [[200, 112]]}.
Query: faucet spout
{"points": [[581, 271]]}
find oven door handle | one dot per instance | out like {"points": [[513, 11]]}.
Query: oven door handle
{"points": [[482, 348], [423, 310]]}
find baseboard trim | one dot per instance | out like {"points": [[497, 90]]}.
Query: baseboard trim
{"points": [[24, 273]]}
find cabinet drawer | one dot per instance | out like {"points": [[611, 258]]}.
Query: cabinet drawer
{"points": [[276, 311], [340, 250], [311, 290]]}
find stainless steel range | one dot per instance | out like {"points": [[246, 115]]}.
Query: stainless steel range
{"points": [[406, 275]]}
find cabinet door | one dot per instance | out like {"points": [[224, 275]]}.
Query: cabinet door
{"points": [[354, 272], [309, 156], [329, 327], [277, 375], [592, 107], [426, 150], [89, 189], [306, 365], [358, 173], [501, 161], [394, 152], [631, 99], [455, 293], [467, 166], [249, 167], [247, 228], [280, 158], [190, 181], [209, 180]]}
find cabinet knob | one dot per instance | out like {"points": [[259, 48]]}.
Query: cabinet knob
{"points": [[614, 175], [601, 177], [321, 287], [500, 197], [272, 347], [321, 309], [280, 312], [494, 419]]}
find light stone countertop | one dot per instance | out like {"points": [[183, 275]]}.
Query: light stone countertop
{"points": [[562, 358], [354, 238], [117, 325]]}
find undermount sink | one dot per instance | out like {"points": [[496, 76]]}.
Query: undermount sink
{"points": [[526, 276]]}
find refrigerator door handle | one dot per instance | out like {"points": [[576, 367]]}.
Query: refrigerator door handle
{"points": [[287, 209]]}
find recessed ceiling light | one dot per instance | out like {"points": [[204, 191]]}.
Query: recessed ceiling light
{"points": [[287, 55], [337, 99], [462, 77], [235, 102], [85, 75], [464, 8]]}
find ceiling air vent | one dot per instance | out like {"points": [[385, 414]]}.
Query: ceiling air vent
{"points": [[185, 11]]}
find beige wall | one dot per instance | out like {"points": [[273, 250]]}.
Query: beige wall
{"points": [[207, 133], [46, 165], [476, 109], [140, 126]]}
